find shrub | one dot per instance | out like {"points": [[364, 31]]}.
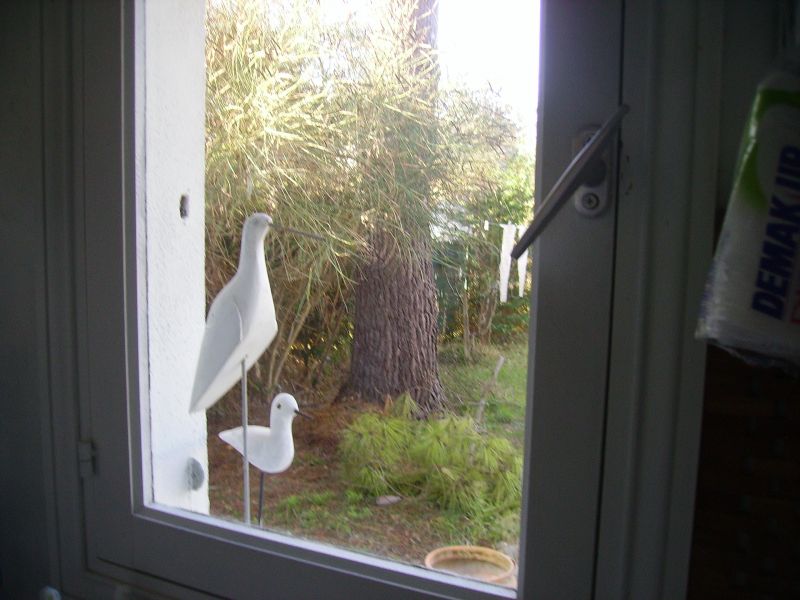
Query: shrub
{"points": [[511, 320], [375, 449], [446, 461]]}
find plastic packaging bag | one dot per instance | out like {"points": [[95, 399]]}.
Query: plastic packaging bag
{"points": [[751, 304]]}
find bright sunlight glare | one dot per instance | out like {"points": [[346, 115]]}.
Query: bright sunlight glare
{"points": [[495, 44], [484, 44]]}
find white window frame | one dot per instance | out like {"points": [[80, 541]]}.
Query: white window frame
{"points": [[570, 545]]}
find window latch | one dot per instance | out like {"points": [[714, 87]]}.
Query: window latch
{"points": [[588, 169]]}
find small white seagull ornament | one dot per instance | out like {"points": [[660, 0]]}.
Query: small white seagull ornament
{"points": [[241, 321], [270, 449]]}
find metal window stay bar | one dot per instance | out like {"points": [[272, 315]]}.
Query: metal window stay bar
{"points": [[586, 169]]}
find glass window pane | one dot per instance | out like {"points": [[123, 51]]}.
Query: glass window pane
{"points": [[399, 325]]}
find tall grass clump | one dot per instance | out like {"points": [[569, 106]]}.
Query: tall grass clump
{"points": [[327, 120], [447, 461]]}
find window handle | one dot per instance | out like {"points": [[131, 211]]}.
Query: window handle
{"points": [[588, 168]]}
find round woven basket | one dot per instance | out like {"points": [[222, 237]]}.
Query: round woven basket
{"points": [[448, 558]]}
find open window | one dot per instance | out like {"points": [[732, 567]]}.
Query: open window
{"points": [[140, 243]]}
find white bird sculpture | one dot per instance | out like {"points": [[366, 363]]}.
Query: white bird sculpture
{"points": [[241, 321], [271, 449]]}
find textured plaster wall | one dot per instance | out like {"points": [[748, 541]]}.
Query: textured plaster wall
{"points": [[174, 155]]}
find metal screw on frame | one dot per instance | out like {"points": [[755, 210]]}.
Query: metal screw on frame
{"points": [[590, 201]]}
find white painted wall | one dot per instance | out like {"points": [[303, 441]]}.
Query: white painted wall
{"points": [[174, 154]]}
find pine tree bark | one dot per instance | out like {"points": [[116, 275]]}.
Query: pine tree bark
{"points": [[394, 342]]}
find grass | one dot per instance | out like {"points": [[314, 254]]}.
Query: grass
{"points": [[467, 382], [405, 531]]}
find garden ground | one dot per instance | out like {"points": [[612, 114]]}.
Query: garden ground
{"points": [[313, 500]]}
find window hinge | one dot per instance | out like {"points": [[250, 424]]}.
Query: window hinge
{"points": [[86, 458]]}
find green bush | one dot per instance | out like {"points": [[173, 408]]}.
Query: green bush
{"points": [[511, 320], [446, 461], [375, 450]]}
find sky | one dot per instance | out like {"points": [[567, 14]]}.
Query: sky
{"points": [[495, 43], [480, 43]]}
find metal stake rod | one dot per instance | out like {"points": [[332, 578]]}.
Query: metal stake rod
{"points": [[260, 496], [245, 458]]}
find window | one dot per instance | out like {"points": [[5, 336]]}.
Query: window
{"points": [[569, 364]]}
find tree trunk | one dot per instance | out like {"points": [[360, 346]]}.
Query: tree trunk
{"points": [[488, 308], [465, 325], [394, 341]]}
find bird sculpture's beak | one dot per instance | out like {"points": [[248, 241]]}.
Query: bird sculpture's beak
{"points": [[302, 414]]}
